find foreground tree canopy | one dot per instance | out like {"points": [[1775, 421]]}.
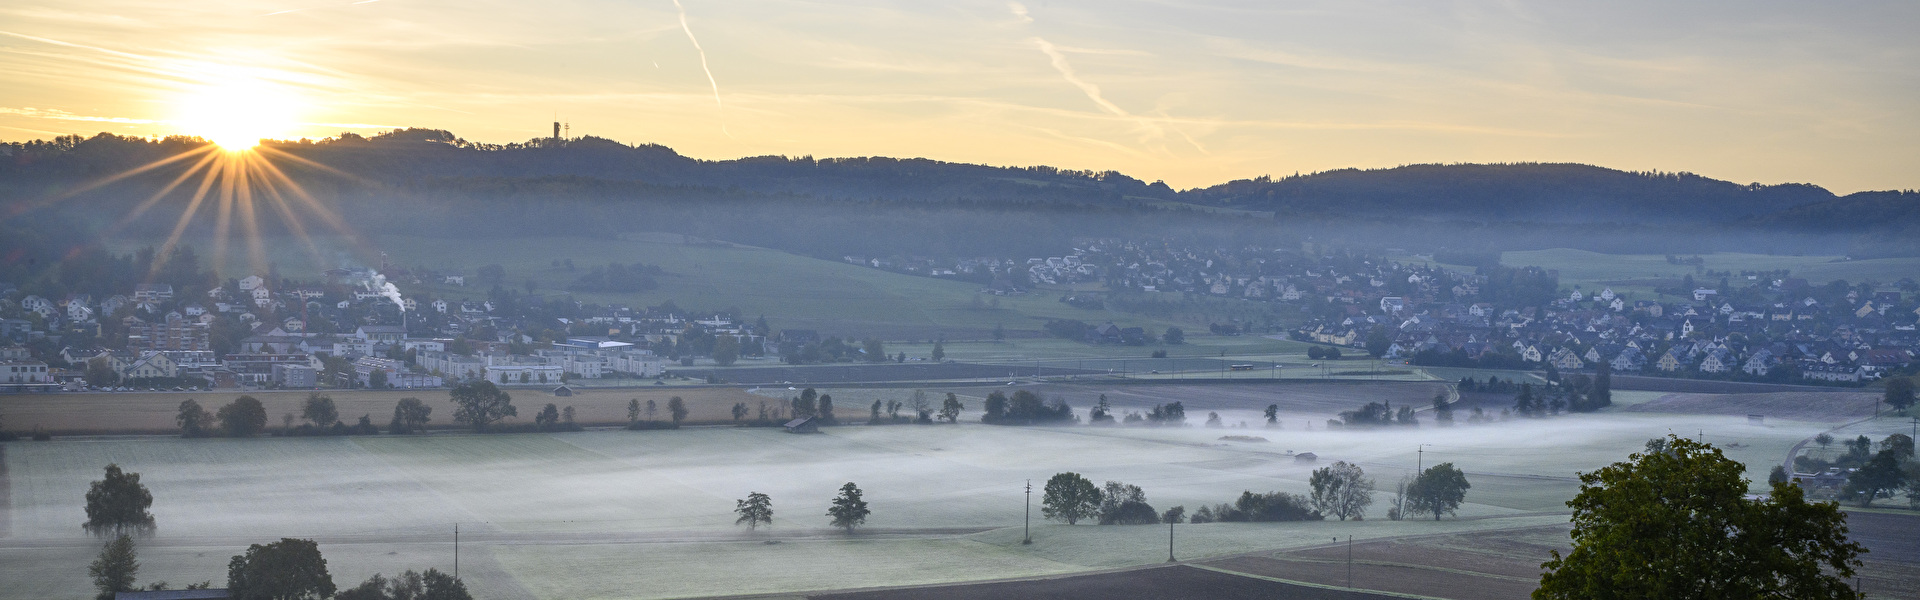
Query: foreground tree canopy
{"points": [[290, 569], [1674, 522]]}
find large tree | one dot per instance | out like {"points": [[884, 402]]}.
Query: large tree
{"points": [[1342, 490], [243, 417], [1676, 523], [756, 509], [1881, 474], [114, 569], [409, 415], [480, 403], [1439, 490], [1899, 394], [290, 569], [849, 509], [1070, 497], [194, 421], [117, 504], [677, 409], [951, 407], [320, 410]]}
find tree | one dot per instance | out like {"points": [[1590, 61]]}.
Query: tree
{"points": [[1070, 497], [377, 379], [1174, 336], [1601, 395], [826, 409], [1711, 541], [633, 411], [1442, 410], [1174, 515], [548, 417], [1273, 415], [1901, 444], [996, 407], [1342, 490], [320, 411], [1124, 504], [939, 351], [1899, 394], [409, 415], [1824, 440], [999, 332], [290, 569], [194, 421], [1524, 403], [243, 417], [117, 504], [951, 407], [480, 403], [441, 586], [1880, 474], [100, 372], [848, 509], [739, 411], [726, 350], [677, 409], [651, 408], [806, 404], [1439, 490], [756, 509], [1378, 341], [875, 350], [113, 571]]}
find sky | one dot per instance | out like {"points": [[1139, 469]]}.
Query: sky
{"points": [[1192, 93]]}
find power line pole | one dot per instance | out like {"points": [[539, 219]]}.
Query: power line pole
{"points": [[1028, 539], [456, 550], [1170, 540], [1349, 562]]}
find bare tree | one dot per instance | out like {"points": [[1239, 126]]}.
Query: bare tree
{"points": [[1342, 490]]}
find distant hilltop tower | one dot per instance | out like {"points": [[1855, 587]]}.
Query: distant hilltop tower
{"points": [[556, 131]]}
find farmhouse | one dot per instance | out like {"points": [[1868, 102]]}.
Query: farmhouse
{"points": [[802, 425]]}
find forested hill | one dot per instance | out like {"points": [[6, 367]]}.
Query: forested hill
{"points": [[440, 163], [1513, 192]]}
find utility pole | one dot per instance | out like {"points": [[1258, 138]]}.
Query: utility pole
{"points": [[1349, 562], [1420, 459], [1028, 539], [456, 550], [1170, 540]]}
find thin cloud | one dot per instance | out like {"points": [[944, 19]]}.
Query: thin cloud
{"points": [[61, 115]]}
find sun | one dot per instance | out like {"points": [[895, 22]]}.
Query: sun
{"points": [[236, 115]]}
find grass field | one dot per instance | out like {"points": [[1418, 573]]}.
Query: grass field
{"points": [[792, 291], [605, 514]]}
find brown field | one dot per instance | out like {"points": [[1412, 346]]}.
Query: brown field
{"points": [[1177, 582], [1506, 564], [1798, 406], [153, 412]]}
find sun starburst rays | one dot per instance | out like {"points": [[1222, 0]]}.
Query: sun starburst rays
{"points": [[232, 185]]}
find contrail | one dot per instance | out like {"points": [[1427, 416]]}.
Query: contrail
{"points": [[703, 66], [1066, 70]]}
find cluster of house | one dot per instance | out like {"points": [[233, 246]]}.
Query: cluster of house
{"points": [[1792, 334], [1253, 272], [168, 338]]}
